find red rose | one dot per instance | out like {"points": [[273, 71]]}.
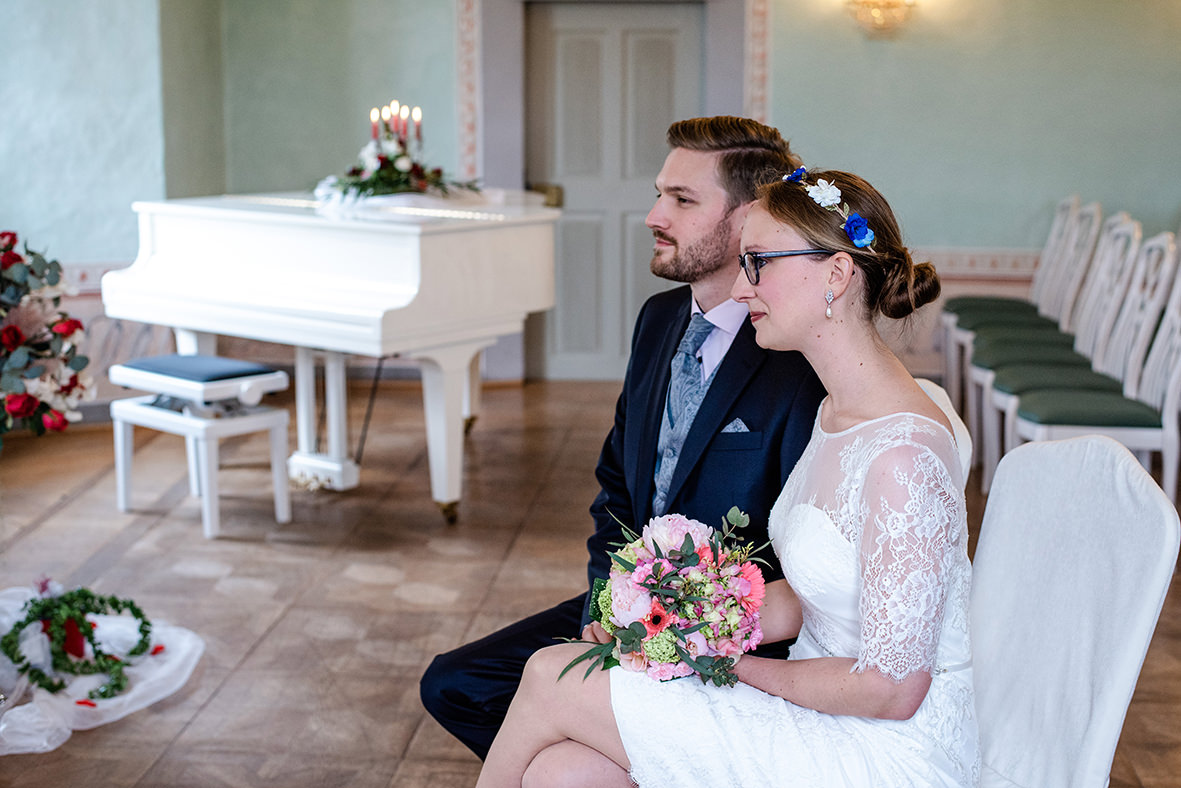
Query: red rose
{"points": [[11, 338], [8, 259], [21, 405], [7, 240], [67, 327], [54, 421], [68, 389]]}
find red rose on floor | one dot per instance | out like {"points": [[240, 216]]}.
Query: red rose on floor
{"points": [[21, 405], [8, 259], [67, 327], [54, 421], [7, 240], [75, 644], [11, 338]]}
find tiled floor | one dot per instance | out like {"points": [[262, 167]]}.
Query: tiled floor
{"points": [[316, 632]]}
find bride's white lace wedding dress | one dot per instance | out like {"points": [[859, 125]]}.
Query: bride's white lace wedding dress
{"points": [[872, 535]]}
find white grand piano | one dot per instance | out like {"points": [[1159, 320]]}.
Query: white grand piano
{"points": [[434, 281]]}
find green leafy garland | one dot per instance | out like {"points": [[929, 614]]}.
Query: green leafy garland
{"points": [[76, 605]]}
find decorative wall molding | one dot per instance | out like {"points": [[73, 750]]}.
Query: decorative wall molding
{"points": [[468, 88], [980, 263], [754, 89]]}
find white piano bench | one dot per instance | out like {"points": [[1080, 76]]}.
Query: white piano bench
{"points": [[204, 399]]}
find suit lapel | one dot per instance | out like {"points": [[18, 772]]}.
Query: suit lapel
{"points": [[741, 362]]}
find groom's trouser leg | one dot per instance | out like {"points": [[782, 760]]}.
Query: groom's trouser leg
{"points": [[468, 690]]}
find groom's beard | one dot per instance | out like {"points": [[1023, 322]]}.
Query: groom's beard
{"points": [[694, 261]]}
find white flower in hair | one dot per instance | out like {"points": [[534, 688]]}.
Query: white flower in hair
{"points": [[824, 194]]}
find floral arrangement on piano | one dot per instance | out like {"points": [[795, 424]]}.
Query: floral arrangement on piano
{"points": [[390, 162], [41, 381]]}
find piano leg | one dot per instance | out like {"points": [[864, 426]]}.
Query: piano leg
{"points": [[333, 468], [471, 401], [448, 381], [190, 343]]}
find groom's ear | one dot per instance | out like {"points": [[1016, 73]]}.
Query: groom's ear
{"points": [[841, 270]]}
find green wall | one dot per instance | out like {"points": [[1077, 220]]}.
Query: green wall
{"points": [[81, 135], [973, 121], [981, 114], [302, 75]]}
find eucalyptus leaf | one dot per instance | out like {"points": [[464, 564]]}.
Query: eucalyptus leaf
{"points": [[18, 360], [35, 371], [78, 363]]}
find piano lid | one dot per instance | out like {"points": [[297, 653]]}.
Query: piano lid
{"points": [[413, 274]]}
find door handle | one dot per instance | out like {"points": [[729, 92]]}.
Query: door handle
{"points": [[555, 195]]}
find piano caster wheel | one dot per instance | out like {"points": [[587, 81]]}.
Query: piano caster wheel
{"points": [[450, 511], [468, 423]]}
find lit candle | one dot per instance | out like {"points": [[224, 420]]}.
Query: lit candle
{"points": [[385, 118], [416, 113], [394, 106], [404, 114], [373, 116]]}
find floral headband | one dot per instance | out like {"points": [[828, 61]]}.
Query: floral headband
{"points": [[828, 196]]}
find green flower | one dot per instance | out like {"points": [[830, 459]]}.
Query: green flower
{"points": [[662, 647], [605, 608]]}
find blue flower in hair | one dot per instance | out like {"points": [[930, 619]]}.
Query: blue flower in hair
{"points": [[857, 228], [797, 176]]}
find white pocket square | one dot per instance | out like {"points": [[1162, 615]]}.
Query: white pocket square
{"points": [[736, 426]]}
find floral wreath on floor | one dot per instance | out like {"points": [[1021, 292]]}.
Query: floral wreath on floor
{"points": [[62, 617], [40, 364]]}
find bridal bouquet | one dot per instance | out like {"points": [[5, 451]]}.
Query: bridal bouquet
{"points": [[41, 383], [682, 598]]}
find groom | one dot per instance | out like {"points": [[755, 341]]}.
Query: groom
{"points": [[751, 415]]}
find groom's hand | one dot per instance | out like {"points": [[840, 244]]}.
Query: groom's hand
{"points": [[594, 633]]}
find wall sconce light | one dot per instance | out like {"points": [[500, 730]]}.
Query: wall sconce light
{"points": [[880, 17]]}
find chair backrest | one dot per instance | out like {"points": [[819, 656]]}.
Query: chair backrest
{"points": [[1078, 252], [1051, 261], [1121, 355], [1112, 271], [1075, 555], [959, 430], [1158, 385]]}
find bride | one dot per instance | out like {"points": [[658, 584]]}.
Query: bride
{"points": [[870, 530]]}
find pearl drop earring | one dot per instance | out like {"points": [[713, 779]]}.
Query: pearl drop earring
{"points": [[828, 298]]}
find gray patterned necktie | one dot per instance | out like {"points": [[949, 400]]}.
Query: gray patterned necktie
{"points": [[686, 390]]}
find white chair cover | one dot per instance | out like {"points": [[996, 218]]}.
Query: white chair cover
{"points": [[1076, 552], [959, 430]]}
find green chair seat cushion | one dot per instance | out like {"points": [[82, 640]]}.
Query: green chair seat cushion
{"points": [[1023, 378], [1043, 335], [976, 318], [969, 302], [1004, 354], [1086, 409]]}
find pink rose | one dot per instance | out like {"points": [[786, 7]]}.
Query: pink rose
{"points": [[11, 338], [668, 532], [634, 661], [663, 671], [7, 240], [54, 421], [21, 405], [8, 259], [629, 602]]}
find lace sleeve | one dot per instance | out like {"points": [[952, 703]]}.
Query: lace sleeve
{"points": [[912, 511]]}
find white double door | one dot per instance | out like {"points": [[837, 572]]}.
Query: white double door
{"points": [[603, 83]]}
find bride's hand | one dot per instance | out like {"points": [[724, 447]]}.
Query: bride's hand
{"points": [[594, 633]]}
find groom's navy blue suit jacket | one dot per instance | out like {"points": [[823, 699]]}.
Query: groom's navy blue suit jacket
{"points": [[774, 394]]}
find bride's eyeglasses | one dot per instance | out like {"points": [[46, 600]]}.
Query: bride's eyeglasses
{"points": [[753, 262]]}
